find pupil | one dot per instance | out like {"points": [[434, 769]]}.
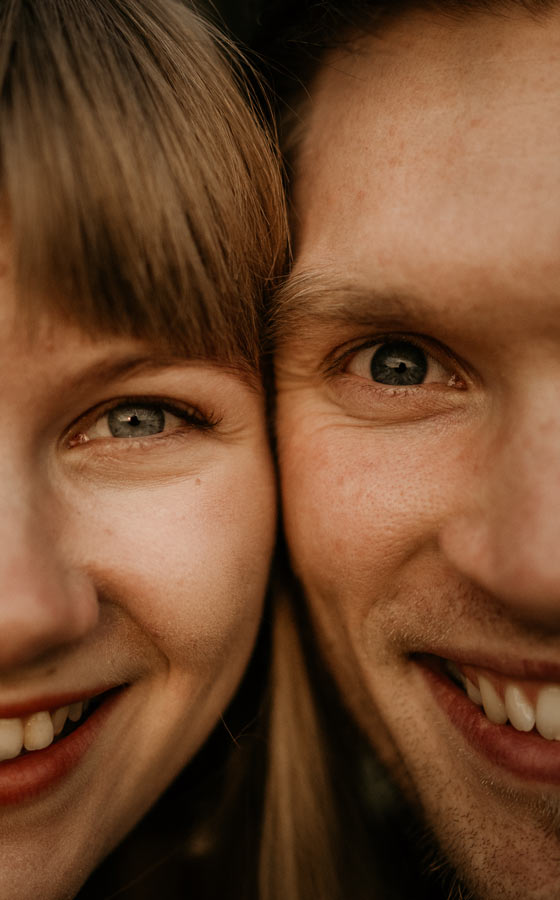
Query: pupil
{"points": [[130, 421], [399, 363]]}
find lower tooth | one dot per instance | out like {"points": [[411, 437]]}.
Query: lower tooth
{"points": [[38, 731]]}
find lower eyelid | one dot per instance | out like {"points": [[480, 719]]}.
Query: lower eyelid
{"points": [[368, 401]]}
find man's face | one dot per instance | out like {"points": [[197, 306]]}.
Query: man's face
{"points": [[137, 499], [419, 421]]}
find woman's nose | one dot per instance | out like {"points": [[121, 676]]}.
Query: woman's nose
{"points": [[46, 601], [507, 538]]}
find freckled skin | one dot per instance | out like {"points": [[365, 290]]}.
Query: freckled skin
{"points": [[144, 565], [430, 168]]}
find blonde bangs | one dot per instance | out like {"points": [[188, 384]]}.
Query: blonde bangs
{"points": [[141, 195]]}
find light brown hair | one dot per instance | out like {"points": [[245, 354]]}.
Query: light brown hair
{"points": [[138, 189]]}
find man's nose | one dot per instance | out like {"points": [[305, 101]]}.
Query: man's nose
{"points": [[506, 539], [46, 602]]}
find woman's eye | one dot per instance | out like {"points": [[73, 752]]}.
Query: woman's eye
{"points": [[133, 420], [136, 421], [398, 363]]}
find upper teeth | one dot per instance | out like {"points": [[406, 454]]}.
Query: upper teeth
{"points": [[509, 702], [35, 732]]}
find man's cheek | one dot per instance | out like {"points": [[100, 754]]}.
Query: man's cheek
{"points": [[358, 503]]}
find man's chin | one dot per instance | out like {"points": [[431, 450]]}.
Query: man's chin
{"points": [[496, 844], [501, 837]]}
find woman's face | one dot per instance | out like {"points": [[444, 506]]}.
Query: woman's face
{"points": [[137, 523]]}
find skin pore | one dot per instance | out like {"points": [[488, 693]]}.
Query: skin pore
{"points": [[136, 562], [422, 519]]}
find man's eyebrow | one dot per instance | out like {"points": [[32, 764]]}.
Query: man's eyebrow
{"points": [[309, 300]]}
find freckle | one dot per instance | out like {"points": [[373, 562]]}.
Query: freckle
{"points": [[197, 482], [474, 122]]}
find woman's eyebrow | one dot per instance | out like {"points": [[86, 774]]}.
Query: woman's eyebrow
{"points": [[152, 362], [310, 301], [131, 364]]}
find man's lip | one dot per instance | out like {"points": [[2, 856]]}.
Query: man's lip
{"points": [[506, 664], [50, 702], [525, 755]]}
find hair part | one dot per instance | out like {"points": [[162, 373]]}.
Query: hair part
{"points": [[140, 195]]}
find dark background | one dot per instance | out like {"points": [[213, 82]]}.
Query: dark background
{"points": [[247, 19], [240, 16]]}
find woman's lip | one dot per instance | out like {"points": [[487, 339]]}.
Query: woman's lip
{"points": [[29, 776], [50, 702], [528, 756], [505, 664]]}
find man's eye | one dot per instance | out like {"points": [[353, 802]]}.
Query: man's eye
{"points": [[134, 420], [398, 363]]}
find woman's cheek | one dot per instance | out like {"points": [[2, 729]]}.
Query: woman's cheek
{"points": [[189, 558]]}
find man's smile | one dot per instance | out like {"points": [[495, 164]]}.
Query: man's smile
{"points": [[525, 705], [515, 722]]}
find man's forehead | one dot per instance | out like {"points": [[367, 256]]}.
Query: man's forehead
{"points": [[431, 157], [432, 62]]}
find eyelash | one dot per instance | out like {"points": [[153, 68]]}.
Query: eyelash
{"points": [[193, 420]]}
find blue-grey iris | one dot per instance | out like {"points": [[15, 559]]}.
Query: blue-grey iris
{"points": [[135, 421], [399, 363]]}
